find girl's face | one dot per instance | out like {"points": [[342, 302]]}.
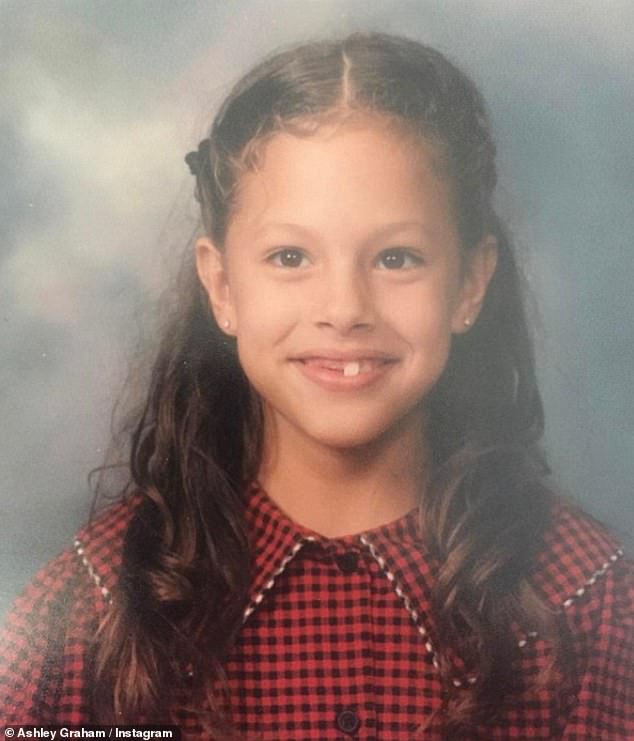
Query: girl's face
{"points": [[342, 280]]}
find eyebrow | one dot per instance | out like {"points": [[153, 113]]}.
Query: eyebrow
{"points": [[383, 231]]}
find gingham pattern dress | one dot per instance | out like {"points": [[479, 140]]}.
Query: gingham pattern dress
{"points": [[339, 640]]}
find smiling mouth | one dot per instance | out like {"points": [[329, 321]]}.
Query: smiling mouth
{"points": [[347, 368]]}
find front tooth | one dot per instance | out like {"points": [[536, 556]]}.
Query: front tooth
{"points": [[351, 369]]}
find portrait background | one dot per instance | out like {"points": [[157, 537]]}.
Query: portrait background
{"points": [[99, 103]]}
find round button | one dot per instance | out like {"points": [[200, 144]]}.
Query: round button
{"points": [[347, 562], [348, 722]]}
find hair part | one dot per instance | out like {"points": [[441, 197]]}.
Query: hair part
{"points": [[197, 439]]}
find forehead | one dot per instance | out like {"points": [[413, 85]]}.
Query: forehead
{"points": [[347, 121], [356, 166]]}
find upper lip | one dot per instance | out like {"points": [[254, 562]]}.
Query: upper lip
{"points": [[345, 356]]}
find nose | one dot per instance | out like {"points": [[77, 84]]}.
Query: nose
{"points": [[347, 303]]}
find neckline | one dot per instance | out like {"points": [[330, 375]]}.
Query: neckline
{"points": [[405, 528]]}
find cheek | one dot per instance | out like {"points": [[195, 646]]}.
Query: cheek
{"points": [[252, 299], [263, 320], [422, 315]]}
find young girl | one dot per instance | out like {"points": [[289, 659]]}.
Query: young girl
{"points": [[339, 523]]}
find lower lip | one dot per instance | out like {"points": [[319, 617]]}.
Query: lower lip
{"points": [[334, 380]]}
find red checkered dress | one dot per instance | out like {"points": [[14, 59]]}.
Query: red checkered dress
{"points": [[338, 637]]}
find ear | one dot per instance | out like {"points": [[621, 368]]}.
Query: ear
{"points": [[478, 271], [212, 272]]}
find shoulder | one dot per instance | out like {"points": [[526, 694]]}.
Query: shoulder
{"points": [[582, 573], [45, 642], [98, 546], [576, 554], [88, 567]]}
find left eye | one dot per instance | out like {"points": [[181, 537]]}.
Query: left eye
{"points": [[288, 257], [398, 258]]}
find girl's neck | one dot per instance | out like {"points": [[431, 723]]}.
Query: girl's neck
{"points": [[338, 492]]}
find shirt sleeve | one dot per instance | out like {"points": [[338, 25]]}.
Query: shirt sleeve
{"points": [[603, 707], [32, 645]]}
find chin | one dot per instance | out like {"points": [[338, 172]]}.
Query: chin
{"points": [[338, 437], [350, 443]]}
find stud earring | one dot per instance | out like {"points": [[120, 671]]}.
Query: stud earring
{"points": [[467, 321], [226, 324]]}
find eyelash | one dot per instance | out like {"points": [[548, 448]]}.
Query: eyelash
{"points": [[295, 257], [279, 255], [403, 253]]}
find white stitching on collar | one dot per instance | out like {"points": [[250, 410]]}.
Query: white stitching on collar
{"points": [[251, 607], [592, 580], [532, 635], [416, 618], [79, 549]]}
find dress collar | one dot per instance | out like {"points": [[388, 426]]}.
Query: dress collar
{"points": [[576, 552], [276, 540]]}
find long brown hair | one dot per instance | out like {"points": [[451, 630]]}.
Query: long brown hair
{"points": [[195, 443]]}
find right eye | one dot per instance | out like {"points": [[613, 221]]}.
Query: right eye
{"points": [[288, 257]]}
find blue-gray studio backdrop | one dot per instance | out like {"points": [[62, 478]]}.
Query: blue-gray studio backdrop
{"points": [[98, 104]]}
